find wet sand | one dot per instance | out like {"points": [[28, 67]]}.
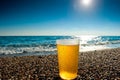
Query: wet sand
{"points": [[102, 64]]}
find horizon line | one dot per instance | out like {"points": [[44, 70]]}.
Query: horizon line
{"points": [[60, 35]]}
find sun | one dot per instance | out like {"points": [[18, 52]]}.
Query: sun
{"points": [[86, 2]]}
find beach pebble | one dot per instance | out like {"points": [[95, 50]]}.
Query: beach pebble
{"points": [[93, 65]]}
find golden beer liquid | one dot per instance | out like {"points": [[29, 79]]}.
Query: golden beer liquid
{"points": [[68, 61]]}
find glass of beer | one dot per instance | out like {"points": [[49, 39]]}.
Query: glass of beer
{"points": [[68, 51]]}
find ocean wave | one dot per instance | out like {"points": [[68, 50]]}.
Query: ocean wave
{"points": [[38, 44], [13, 50], [101, 43], [52, 48], [29, 45]]}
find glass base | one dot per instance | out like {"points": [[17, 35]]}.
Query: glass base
{"points": [[68, 76]]}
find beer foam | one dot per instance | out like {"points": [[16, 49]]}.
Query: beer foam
{"points": [[68, 41]]}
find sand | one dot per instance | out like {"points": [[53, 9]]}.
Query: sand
{"points": [[102, 64]]}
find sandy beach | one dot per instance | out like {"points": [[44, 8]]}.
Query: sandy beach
{"points": [[101, 64]]}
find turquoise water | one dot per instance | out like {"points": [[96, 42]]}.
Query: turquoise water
{"points": [[47, 44]]}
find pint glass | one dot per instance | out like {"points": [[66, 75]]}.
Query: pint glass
{"points": [[68, 50]]}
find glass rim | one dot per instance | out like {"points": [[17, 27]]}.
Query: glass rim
{"points": [[68, 41]]}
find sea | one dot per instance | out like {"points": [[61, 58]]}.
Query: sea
{"points": [[44, 45]]}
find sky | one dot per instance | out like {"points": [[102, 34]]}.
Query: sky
{"points": [[59, 17]]}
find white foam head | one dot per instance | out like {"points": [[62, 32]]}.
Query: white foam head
{"points": [[68, 41]]}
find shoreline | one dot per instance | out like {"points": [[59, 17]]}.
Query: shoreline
{"points": [[25, 53], [98, 64]]}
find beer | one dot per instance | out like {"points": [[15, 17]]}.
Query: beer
{"points": [[68, 58]]}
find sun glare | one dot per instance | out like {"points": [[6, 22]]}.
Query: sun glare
{"points": [[86, 2]]}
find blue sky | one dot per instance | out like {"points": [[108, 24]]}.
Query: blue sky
{"points": [[59, 17]]}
